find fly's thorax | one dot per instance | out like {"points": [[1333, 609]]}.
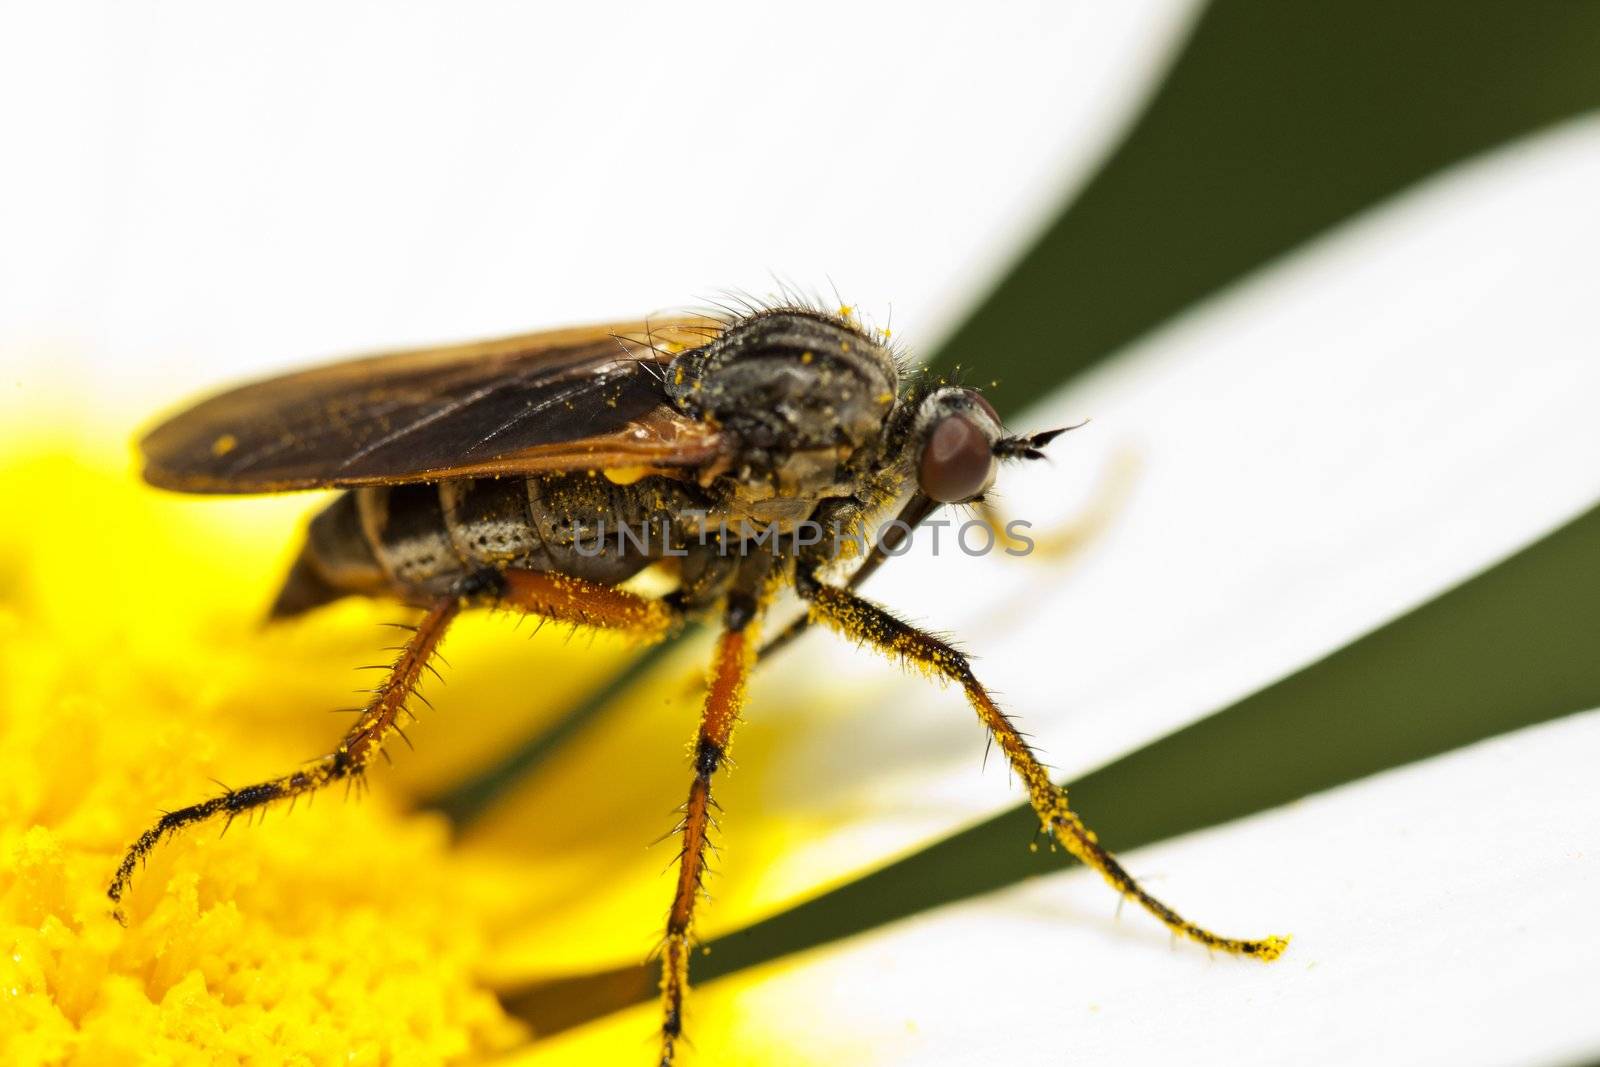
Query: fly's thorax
{"points": [[739, 517], [804, 395]]}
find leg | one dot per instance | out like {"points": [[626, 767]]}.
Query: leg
{"points": [[552, 596], [896, 533], [730, 668], [866, 622]]}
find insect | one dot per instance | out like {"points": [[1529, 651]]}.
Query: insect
{"points": [[488, 474]]}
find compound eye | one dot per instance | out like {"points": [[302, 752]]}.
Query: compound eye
{"points": [[983, 402], [957, 462]]}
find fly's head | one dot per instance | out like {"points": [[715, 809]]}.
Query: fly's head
{"points": [[956, 445]]}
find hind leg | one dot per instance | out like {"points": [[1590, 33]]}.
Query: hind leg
{"points": [[550, 596]]}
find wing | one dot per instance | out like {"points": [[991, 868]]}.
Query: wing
{"points": [[588, 397]]}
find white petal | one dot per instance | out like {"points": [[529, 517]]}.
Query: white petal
{"points": [[1442, 913]]}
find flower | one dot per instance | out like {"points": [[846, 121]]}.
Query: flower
{"points": [[1334, 441], [132, 670]]}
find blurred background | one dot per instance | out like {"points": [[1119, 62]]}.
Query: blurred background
{"points": [[1323, 277]]}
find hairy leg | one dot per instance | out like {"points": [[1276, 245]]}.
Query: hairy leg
{"points": [[866, 622], [730, 668], [555, 597]]}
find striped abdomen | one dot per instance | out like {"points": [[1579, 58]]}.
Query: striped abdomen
{"points": [[415, 541]]}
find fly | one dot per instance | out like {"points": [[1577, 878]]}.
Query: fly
{"points": [[487, 475]]}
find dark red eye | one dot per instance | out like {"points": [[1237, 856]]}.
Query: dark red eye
{"points": [[957, 462], [983, 402]]}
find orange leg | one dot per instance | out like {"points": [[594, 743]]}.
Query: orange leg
{"points": [[586, 603], [868, 623], [730, 669], [379, 721], [553, 596]]}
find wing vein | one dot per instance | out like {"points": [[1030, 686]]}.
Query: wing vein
{"points": [[442, 412], [583, 388]]}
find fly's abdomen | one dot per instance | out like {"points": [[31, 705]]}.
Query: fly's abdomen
{"points": [[488, 522], [382, 541], [416, 541], [335, 561], [405, 525], [555, 523]]}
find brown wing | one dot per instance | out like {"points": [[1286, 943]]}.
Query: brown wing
{"points": [[587, 397]]}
